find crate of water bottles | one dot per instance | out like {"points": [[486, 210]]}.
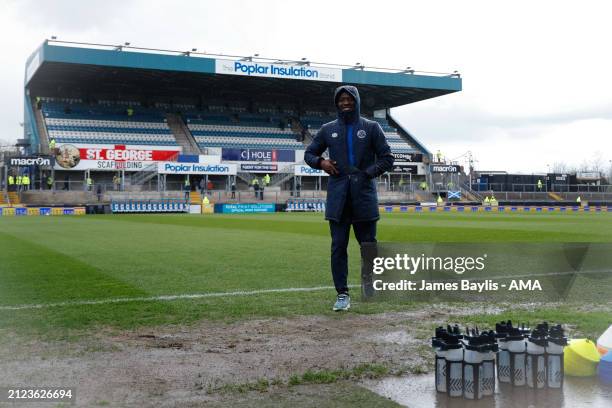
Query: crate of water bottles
{"points": [[469, 362]]}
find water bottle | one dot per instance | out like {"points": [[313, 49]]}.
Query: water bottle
{"points": [[556, 341], [439, 347], [488, 364], [454, 366], [535, 365], [517, 350], [472, 367], [503, 357]]}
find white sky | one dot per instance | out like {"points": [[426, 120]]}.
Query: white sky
{"points": [[537, 75]]}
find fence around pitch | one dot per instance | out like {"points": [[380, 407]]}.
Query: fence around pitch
{"points": [[493, 209]]}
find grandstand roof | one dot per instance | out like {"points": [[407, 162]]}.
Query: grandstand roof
{"points": [[77, 70]]}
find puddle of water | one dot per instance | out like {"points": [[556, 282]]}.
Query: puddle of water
{"points": [[419, 392]]}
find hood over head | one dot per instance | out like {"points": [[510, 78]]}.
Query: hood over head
{"points": [[348, 117]]}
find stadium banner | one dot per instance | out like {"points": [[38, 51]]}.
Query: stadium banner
{"points": [[45, 211], [259, 168], [444, 168], [486, 271], [588, 176], [274, 70], [225, 169], [258, 155], [404, 169], [245, 208], [456, 195], [7, 211], [406, 157], [37, 211], [161, 205], [26, 161], [112, 157], [304, 170]]}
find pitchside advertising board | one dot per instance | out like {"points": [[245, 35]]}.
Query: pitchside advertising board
{"points": [[258, 155], [304, 170], [275, 70], [399, 158], [405, 169], [244, 208], [224, 169], [259, 168], [112, 157]]}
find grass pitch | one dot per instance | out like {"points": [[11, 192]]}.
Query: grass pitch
{"points": [[46, 260]]}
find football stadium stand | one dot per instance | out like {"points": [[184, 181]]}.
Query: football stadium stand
{"points": [[71, 121], [224, 120], [241, 130], [131, 122], [313, 122]]}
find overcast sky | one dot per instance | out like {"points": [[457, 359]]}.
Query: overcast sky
{"points": [[537, 75]]}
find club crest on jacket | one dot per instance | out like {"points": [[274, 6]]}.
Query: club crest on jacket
{"points": [[361, 134]]}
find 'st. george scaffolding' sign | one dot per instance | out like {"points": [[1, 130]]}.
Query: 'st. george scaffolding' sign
{"points": [[112, 157]]}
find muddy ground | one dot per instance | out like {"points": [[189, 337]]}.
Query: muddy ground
{"points": [[205, 364]]}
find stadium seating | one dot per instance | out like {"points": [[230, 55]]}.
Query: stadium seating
{"points": [[314, 120], [234, 127], [71, 121], [107, 122]]}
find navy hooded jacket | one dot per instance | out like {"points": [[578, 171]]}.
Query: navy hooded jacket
{"points": [[372, 157]]}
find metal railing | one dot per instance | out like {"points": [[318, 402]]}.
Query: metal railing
{"points": [[555, 188], [283, 175], [250, 58], [145, 174]]}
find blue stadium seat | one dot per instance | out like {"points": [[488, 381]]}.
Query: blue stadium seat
{"points": [[106, 123], [242, 130]]}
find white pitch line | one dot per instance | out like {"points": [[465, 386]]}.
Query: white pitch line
{"points": [[165, 298], [241, 293]]}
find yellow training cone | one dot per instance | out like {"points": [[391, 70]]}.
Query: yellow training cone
{"points": [[581, 358]]}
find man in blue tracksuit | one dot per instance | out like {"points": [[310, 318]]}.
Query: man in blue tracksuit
{"points": [[358, 153]]}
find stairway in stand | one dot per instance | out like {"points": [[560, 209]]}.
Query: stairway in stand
{"points": [[195, 197], [13, 198], [182, 134], [42, 130]]}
